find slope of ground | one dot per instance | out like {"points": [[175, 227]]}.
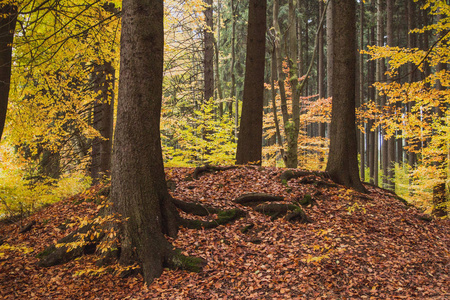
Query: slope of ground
{"points": [[356, 246]]}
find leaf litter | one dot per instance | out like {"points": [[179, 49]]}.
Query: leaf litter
{"points": [[356, 247]]}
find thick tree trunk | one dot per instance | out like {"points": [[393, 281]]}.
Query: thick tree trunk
{"points": [[104, 78], [8, 19], [249, 147], [342, 161], [139, 190]]}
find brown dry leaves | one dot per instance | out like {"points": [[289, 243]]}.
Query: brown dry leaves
{"points": [[355, 247]]}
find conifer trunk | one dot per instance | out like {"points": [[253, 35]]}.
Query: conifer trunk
{"points": [[342, 163], [139, 190], [249, 147]]}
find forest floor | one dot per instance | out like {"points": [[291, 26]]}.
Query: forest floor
{"points": [[355, 247]]}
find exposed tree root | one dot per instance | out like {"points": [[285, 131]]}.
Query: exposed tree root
{"points": [[253, 199], [290, 174], [53, 255], [27, 227], [209, 169], [194, 208], [223, 217], [259, 202]]}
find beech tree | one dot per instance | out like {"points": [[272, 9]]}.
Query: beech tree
{"points": [[249, 145], [342, 163]]}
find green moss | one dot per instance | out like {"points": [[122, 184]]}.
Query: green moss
{"points": [[46, 252], [306, 200], [189, 263]]}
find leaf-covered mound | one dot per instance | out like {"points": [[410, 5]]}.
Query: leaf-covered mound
{"points": [[352, 246]]}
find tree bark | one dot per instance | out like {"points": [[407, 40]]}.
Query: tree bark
{"points": [[249, 147], [321, 70], [361, 89], [8, 19], [390, 159], [104, 78], [342, 163], [139, 190], [208, 60]]}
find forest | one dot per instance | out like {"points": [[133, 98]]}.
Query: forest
{"points": [[238, 149]]}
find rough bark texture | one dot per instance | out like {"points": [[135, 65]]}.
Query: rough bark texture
{"points": [[139, 190], [209, 51], [249, 145], [103, 120], [342, 163], [8, 18]]}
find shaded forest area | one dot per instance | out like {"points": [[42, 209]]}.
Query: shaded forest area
{"points": [[319, 131]]}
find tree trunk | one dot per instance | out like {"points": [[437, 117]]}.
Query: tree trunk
{"points": [[208, 59], [321, 70], [233, 70], [361, 89], [289, 157], [8, 19], [104, 77], [342, 163], [371, 150], [139, 190], [249, 145], [390, 163], [439, 189], [330, 48], [292, 128], [216, 65]]}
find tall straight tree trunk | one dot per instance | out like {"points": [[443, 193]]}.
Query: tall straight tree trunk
{"points": [[8, 19], [321, 69], [342, 163], [439, 189], [208, 59], [281, 79], [380, 99], [249, 147], [216, 64], [104, 77], [361, 89], [139, 190], [390, 161], [233, 70], [273, 77], [292, 128], [370, 123], [330, 48], [410, 45]]}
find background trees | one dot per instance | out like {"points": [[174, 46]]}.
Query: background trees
{"points": [[66, 55]]}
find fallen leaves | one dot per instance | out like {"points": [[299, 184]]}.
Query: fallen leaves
{"points": [[356, 247]]}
